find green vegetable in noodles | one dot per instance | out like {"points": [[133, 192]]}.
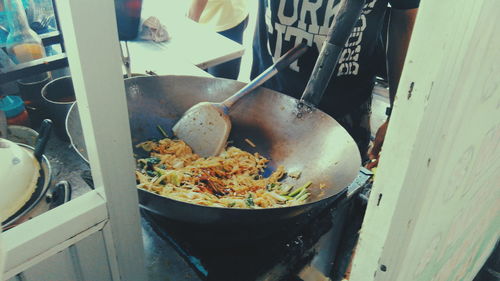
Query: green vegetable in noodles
{"points": [[153, 160], [300, 189], [249, 201]]}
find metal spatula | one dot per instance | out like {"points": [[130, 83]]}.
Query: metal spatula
{"points": [[205, 127]]}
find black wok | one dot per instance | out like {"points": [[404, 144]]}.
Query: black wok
{"points": [[290, 132], [314, 144]]}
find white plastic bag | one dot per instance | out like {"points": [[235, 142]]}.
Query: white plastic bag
{"points": [[152, 29]]}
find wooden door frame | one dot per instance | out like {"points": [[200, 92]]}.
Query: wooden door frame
{"points": [[2, 256], [91, 40], [423, 222], [92, 47]]}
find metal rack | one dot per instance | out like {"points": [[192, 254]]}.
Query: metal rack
{"points": [[49, 63]]}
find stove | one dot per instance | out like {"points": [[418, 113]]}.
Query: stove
{"points": [[318, 250]]}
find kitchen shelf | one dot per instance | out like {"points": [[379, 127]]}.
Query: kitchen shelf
{"points": [[46, 64], [35, 67], [49, 38]]}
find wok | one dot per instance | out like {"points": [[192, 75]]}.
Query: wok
{"points": [[290, 132], [311, 142]]}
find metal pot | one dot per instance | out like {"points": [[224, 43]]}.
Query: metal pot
{"points": [[57, 97]]}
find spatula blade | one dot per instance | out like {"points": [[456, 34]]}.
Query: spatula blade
{"points": [[205, 128]]}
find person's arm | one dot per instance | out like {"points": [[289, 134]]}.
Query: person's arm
{"points": [[196, 9], [400, 28]]}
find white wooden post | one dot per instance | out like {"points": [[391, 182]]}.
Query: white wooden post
{"points": [[2, 256], [92, 45], [434, 209]]}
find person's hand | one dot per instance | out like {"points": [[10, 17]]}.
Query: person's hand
{"points": [[374, 153]]}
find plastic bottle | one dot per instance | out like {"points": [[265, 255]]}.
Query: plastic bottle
{"points": [[22, 42], [128, 18], [14, 109]]}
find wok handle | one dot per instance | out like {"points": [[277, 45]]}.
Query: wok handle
{"points": [[43, 137], [339, 32], [283, 62]]}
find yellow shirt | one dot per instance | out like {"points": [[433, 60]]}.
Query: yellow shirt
{"points": [[224, 14]]}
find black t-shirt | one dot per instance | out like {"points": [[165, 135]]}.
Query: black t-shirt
{"points": [[282, 24]]}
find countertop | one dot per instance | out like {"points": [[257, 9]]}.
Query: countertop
{"points": [[189, 42]]}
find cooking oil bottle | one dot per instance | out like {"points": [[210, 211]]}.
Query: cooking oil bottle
{"points": [[23, 44]]}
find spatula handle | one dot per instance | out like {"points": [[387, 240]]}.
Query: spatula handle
{"points": [[283, 62]]}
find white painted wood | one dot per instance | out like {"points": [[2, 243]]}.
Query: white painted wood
{"points": [[37, 239], [83, 259], [56, 267], [33, 261], [2, 256], [93, 50], [90, 258], [111, 252], [434, 209]]}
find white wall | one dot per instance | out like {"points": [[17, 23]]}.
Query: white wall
{"points": [[2, 256], [434, 209]]}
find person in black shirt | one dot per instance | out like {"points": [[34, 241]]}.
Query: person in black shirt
{"points": [[282, 24]]}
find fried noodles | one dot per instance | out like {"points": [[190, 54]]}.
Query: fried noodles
{"points": [[233, 179]]}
